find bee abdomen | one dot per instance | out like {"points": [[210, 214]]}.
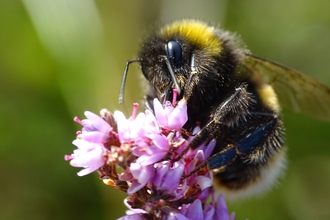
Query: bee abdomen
{"points": [[241, 180]]}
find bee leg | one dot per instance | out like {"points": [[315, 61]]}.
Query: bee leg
{"points": [[264, 141], [220, 160], [229, 112], [255, 147]]}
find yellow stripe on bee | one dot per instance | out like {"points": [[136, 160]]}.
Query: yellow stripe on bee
{"points": [[268, 97], [196, 32]]}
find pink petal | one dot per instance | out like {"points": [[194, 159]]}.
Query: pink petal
{"points": [[136, 186], [98, 122], [203, 182], [122, 125], [195, 211], [221, 208], [178, 117], [93, 136], [160, 113], [145, 160]]}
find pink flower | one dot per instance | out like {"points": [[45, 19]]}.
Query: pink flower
{"points": [[218, 211], [88, 155], [167, 177], [129, 129], [155, 152], [142, 175], [222, 211], [95, 129], [146, 156], [172, 118]]}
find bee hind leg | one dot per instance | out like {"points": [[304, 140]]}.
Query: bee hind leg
{"points": [[255, 147]]}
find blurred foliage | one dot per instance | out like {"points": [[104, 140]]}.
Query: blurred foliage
{"points": [[60, 58]]}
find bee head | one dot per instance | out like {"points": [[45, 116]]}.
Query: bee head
{"points": [[170, 56]]}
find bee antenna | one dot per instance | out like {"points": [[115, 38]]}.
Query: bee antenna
{"points": [[123, 81], [168, 64]]}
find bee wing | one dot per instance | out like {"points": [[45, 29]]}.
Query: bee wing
{"points": [[295, 91]]}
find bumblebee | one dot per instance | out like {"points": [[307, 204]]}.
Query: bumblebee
{"points": [[233, 95]]}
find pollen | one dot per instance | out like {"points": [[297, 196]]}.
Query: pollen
{"points": [[109, 182]]}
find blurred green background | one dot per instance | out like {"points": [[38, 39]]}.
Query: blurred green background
{"points": [[60, 58]]}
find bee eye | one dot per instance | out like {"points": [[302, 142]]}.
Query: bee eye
{"points": [[174, 51]]}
